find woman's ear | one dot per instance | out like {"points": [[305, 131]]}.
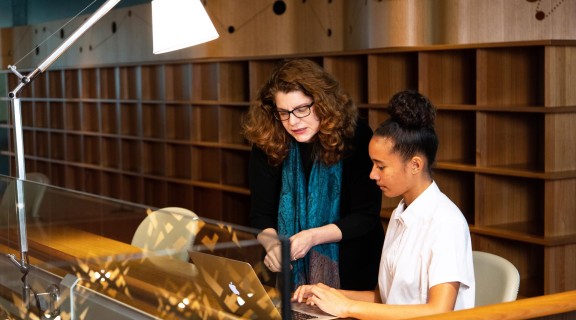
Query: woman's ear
{"points": [[416, 164]]}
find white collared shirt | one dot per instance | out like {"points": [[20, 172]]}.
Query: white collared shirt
{"points": [[425, 245]]}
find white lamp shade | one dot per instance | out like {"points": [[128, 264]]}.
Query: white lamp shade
{"points": [[177, 24]]}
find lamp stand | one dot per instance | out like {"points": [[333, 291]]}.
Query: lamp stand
{"points": [[19, 145]]}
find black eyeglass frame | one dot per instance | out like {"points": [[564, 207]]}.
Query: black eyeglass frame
{"points": [[277, 113]]}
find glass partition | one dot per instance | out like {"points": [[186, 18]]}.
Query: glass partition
{"points": [[89, 257]]}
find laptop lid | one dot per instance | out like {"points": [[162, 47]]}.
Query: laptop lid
{"points": [[240, 292], [236, 286]]}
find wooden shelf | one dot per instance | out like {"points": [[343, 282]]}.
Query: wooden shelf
{"points": [[168, 134]]}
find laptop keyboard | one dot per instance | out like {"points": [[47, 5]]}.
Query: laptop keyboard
{"points": [[302, 316]]}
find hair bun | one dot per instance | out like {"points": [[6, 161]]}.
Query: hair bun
{"points": [[410, 109]]}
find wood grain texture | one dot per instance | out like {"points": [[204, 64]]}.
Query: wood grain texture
{"points": [[546, 307]]}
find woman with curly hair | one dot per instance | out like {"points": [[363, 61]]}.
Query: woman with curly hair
{"points": [[309, 180], [426, 265]]}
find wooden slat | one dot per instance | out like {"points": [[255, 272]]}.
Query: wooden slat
{"points": [[530, 308]]}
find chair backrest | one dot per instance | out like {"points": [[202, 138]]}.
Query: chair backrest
{"points": [[33, 194], [167, 231], [497, 279], [38, 177]]}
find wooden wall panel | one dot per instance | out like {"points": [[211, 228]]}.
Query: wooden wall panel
{"points": [[305, 27]]}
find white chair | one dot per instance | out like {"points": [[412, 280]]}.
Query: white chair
{"points": [[497, 279], [33, 194], [167, 232]]}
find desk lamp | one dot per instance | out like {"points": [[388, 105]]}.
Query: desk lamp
{"points": [[176, 24]]}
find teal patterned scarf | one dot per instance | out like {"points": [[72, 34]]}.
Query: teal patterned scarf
{"points": [[303, 208]]}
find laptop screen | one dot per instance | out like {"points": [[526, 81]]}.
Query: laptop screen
{"points": [[229, 259]]}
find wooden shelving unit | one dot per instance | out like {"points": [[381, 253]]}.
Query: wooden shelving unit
{"points": [[167, 134]]}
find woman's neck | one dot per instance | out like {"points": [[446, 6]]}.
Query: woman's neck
{"points": [[416, 191]]}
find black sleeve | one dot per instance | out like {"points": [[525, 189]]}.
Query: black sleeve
{"points": [[265, 182], [361, 198]]}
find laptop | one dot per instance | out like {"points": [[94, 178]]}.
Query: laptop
{"points": [[239, 291]]}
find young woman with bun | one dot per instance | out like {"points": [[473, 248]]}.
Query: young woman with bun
{"points": [[426, 265]]}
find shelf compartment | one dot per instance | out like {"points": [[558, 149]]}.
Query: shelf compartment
{"points": [[511, 76], [30, 165], [153, 120], [28, 137], [107, 83], [233, 81], [109, 116], [57, 146], [151, 82], [74, 178], [206, 164], [57, 115], [235, 168], [90, 117], [110, 153], [56, 173], [91, 150], [205, 119], [129, 80], [39, 89], [111, 184], [510, 140], [455, 130], [152, 160], [459, 187], [177, 82], [130, 155], [39, 166], [73, 116], [207, 203], [55, 84], [41, 114], [205, 81], [178, 121], [155, 192], [131, 187], [92, 181], [528, 259], [389, 73], [351, 72], [9, 82], [448, 77], [235, 208], [89, 83], [260, 72], [42, 144], [178, 161], [510, 203], [180, 195], [27, 114], [71, 81], [377, 116], [129, 119], [73, 148], [230, 126]]}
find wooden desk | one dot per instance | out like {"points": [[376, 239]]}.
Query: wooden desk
{"points": [[117, 270], [558, 306]]}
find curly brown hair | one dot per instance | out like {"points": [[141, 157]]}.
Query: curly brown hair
{"points": [[334, 108]]}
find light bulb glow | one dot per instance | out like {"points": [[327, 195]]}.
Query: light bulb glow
{"points": [[177, 24]]}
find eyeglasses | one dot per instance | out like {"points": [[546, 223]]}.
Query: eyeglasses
{"points": [[300, 112]]}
